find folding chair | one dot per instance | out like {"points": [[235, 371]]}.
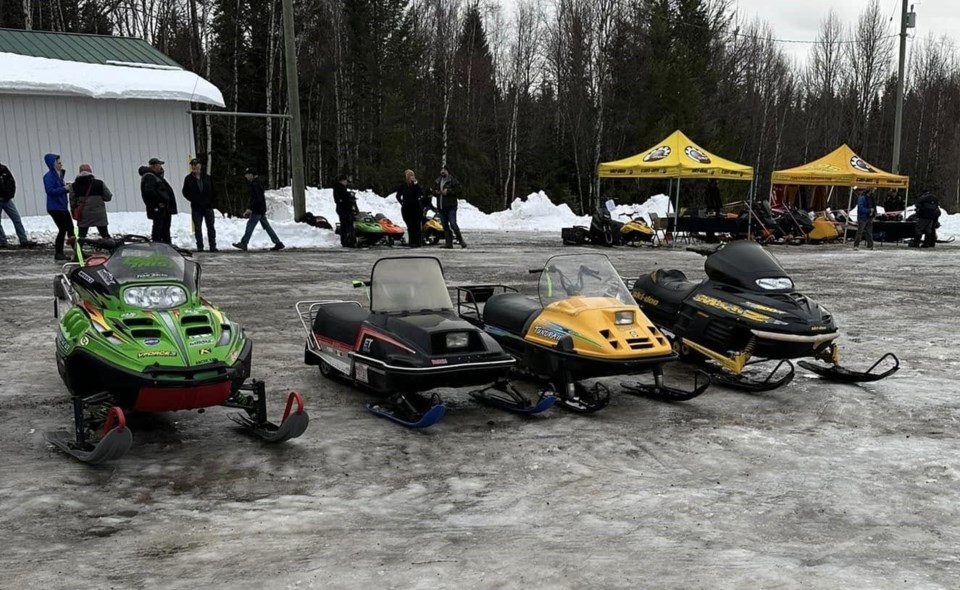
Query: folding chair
{"points": [[659, 226]]}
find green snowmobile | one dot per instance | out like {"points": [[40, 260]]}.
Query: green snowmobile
{"points": [[136, 335]]}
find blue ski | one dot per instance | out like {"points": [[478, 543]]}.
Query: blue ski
{"points": [[427, 419]]}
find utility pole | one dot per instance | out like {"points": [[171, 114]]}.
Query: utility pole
{"points": [[906, 21], [293, 97]]}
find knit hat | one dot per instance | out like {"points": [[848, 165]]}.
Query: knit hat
{"points": [[408, 174], [85, 170]]}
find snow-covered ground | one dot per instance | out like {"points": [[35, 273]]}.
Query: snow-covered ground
{"points": [[535, 213]]}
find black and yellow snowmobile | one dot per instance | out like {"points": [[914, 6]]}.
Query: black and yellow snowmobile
{"points": [[584, 325], [747, 312]]}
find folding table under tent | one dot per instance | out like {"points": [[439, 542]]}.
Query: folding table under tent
{"points": [[843, 167], [677, 157]]}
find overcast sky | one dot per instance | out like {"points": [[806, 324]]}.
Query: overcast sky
{"points": [[800, 19]]}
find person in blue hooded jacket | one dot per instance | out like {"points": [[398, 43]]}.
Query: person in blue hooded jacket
{"points": [[866, 211], [57, 202]]}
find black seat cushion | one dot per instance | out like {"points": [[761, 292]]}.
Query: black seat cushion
{"points": [[670, 286], [510, 311], [339, 321]]}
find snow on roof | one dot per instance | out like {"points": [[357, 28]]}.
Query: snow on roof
{"points": [[22, 74]]}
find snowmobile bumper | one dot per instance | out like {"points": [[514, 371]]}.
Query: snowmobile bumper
{"points": [[161, 389], [812, 339], [383, 376]]}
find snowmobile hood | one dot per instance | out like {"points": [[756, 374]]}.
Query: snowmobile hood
{"points": [[792, 313], [427, 332], [742, 263]]}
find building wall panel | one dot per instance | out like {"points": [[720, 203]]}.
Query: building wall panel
{"points": [[115, 137]]}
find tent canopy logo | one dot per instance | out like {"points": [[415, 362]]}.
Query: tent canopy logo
{"points": [[860, 165], [658, 154], [696, 155]]}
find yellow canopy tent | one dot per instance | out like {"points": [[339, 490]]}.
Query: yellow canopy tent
{"points": [[842, 167], [678, 157]]}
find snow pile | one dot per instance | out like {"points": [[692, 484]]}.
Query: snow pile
{"points": [[39, 75], [535, 213]]}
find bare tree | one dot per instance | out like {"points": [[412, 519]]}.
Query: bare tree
{"points": [[869, 56]]}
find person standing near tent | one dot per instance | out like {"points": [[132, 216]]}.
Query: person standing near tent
{"points": [[712, 197], [866, 210], [8, 189], [57, 202], [198, 190], [157, 195], [410, 195], [346, 205], [928, 212], [448, 191], [88, 197], [257, 213]]}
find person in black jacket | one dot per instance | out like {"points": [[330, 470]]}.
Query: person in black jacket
{"points": [[448, 190], [928, 212], [8, 189], [346, 204], [257, 213], [88, 201], [410, 195], [158, 196], [198, 190]]}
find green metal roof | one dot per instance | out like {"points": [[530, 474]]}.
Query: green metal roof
{"points": [[93, 49]]}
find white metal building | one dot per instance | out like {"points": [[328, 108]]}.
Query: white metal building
{"points": [[111, 102]]}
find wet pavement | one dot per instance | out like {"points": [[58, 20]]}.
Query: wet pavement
{"points": [[815, 485]]}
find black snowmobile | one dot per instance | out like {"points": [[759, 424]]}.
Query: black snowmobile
{"points": [[746, 312], [603, 231], [409, 341]]}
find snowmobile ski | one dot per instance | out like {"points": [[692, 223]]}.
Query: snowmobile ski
{"points": [[844, 375], [113, 444], [581, 399], [659, 391], [409, 410], [293, 424], [506, 396], [745, 382]]}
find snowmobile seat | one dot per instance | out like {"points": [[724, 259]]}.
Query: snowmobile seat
{"points": [[511, 311], [340, 321], [669, 286]]}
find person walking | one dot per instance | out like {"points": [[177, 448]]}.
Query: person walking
{"points": [[8, 189], [88, 197], [928, 212], [866, 211], [410, 195], [198, 190], [57, 202], [257, 213], [158, 196], [448, 191], [346, 204]]}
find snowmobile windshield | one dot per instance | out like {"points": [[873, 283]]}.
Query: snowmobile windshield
{"points": [[408, 285], [581, 275], [749, 266], [147, 262]]}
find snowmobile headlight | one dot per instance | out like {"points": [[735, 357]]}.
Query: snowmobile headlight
{"points": [[623, 318], [775, 284], [155, 296], [458, 340]]}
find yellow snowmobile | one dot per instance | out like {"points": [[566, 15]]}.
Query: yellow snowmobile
{"points": [[635, 230], [585, 324]]}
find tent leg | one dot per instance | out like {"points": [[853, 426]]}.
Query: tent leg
{"points": [[906, 202], [847, 222], [676, 216], [750, 216]]}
